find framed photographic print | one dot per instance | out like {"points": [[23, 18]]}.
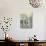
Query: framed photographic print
{"points": [[26, 21]]}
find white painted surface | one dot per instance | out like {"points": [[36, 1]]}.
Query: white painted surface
{"points": [[13, 8]]}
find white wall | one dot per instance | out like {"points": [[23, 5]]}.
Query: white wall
{"points": [[39, 23], [13, 8]]}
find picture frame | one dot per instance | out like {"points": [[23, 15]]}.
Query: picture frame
{"points": [[26, 21]]}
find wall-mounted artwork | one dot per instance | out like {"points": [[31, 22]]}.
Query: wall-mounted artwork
{"points": [[26, 21]]}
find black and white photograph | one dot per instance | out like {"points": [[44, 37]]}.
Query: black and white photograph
{"points": [[25, 21]]}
